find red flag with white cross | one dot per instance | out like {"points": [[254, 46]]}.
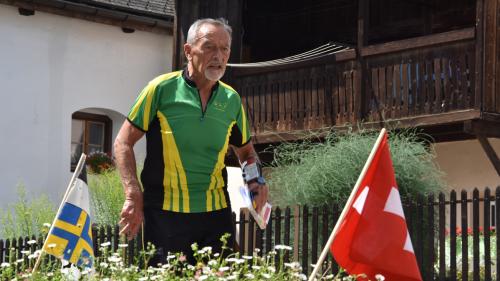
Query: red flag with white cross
{"points": [[373, 237]]}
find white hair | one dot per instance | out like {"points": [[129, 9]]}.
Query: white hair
{"points": [[195, 28]]}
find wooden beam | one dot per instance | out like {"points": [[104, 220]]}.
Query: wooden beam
{"points": [[419, 42], [363, 95], [363, 14], [407, 122], [489, 116], [479, 79], [490, 17], [490, 152], [430, 119], [489, 129]]}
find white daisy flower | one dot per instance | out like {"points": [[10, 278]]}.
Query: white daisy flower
{"points": [[114, 259], [282, 247], [223, 268]]}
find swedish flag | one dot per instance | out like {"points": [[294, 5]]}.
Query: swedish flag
{"points": [[70, 237]]}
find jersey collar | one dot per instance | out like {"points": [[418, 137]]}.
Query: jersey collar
{"points": [[191, 82]]}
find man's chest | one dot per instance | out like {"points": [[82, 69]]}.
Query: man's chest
{"points": [[194, 128]]}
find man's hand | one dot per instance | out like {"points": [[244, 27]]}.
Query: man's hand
{"points": [[261, 193], [132, 215]]}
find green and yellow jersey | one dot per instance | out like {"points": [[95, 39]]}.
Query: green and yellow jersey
{"points": [[184, 168]]}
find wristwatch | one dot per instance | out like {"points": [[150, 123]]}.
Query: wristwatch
{"points": [[261, 180]]}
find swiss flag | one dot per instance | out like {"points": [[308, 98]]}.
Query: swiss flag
{"points": [[373, 237]]}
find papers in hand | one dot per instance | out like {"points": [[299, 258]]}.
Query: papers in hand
{"points": [[263, 216]]}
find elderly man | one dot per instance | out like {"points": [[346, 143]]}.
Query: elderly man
{"points": [[189, 118]]}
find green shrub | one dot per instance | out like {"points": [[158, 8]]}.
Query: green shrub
{"points": [[26, 216], [318, 173]]}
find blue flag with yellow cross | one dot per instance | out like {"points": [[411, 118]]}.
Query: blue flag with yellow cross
{"points": [[70, 238]]}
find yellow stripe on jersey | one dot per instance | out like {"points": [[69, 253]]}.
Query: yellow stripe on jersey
{"points": [[148, 94], [216, 180], [174, 174], [244, 137], [244, 134]]}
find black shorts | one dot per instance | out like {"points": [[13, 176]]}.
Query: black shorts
{"points": [[173, 232]]}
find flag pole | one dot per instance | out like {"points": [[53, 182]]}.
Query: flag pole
{"points": [[77, 172], [346, 208]]}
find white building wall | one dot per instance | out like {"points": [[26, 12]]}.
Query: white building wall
{"points": [[52, 66]]}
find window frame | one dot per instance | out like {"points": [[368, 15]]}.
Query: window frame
{"points": [[92, 117]]}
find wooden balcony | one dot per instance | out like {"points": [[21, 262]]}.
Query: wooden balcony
{"points": [[432, 81]]}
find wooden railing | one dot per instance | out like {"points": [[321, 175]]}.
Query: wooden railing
{"points": [[429, 80], [423, 76]]}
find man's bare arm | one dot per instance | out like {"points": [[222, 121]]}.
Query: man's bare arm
{"points": [[132, 211]]}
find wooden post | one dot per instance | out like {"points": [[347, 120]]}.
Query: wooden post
{"points": [[243, 239], [491, 60], [478, 91], [305, 239], [453, 235], [286, 235], [490, 152], [475, 234], [465, 240], [362, 66], [486, 235], [442, 222], [429, 256]]}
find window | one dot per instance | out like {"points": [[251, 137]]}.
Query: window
{"points": [[89, 133]]}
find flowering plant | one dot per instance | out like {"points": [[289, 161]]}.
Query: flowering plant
{"points": [[99, 162], [111, 265]]}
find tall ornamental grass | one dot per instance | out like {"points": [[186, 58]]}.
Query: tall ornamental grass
{"points": [[317, 173], [106, 197]]}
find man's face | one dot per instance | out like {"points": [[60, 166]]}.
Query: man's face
{"points": [[210, 52]]}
